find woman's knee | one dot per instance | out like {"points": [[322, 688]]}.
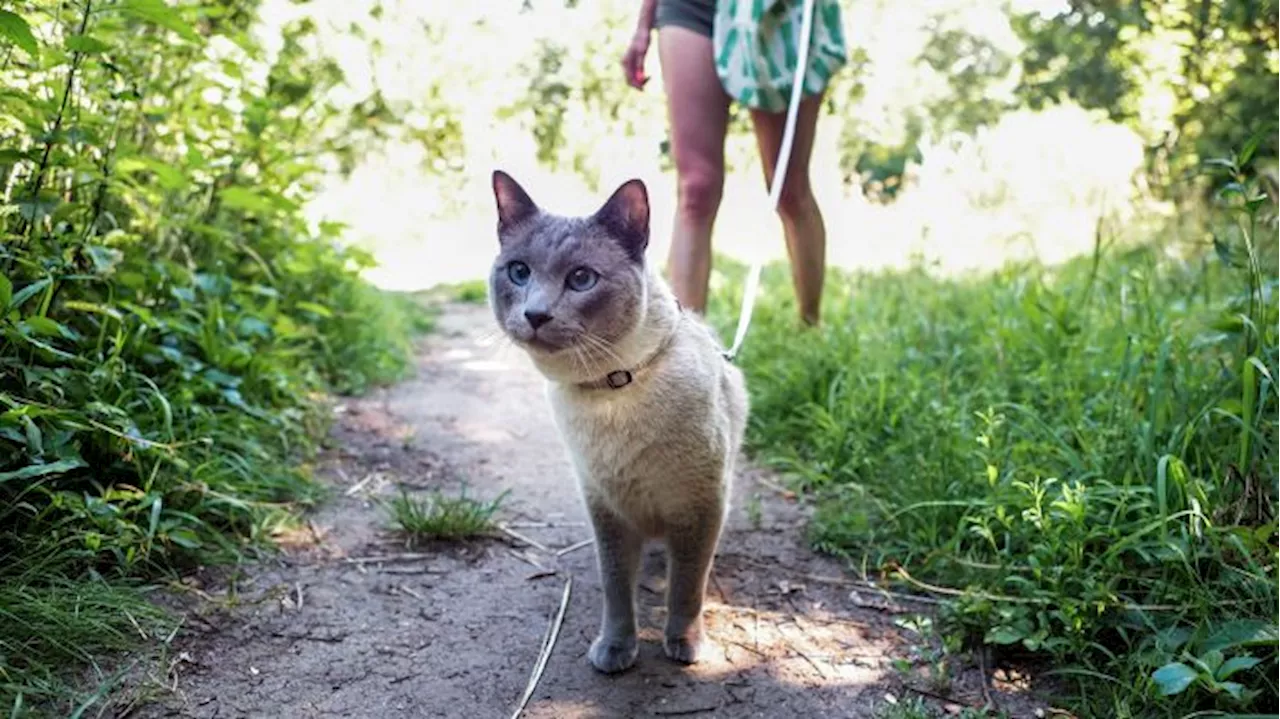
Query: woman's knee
{"points": [[700, 193], [797, 198]]}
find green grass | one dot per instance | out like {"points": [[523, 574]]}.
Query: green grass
{"points": [[1081, 459], [438, 516], [473, 292], [171, 324], [910, 708], [913, 707], [48, 625]]}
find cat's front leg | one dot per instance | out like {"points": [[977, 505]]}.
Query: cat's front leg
{"points": [[690, 550], [618, 547]]}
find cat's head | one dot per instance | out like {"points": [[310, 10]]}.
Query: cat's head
{"points": [[563, 283]]}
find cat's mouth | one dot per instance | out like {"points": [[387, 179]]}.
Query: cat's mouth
{"points": [[541, 343]]}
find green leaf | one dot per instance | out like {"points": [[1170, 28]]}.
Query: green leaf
{"points": [[1235, 689], [1231, 188], [41, 470], [37, 208], [1241, 633], [1212, 660], [93, 308], [315, 308], [157, 506], [16, 30], [242, 198], [1174, 678], [168, 176], [35, 438], [1236, 664], [10, 156], [104, 259], [1222, 162], [45, 327], [1251, 146], [1004, 635], [185, 538], [25, 293], [6, 293], [86, 44], [157, 12], [222, 379], [1223, 251]]}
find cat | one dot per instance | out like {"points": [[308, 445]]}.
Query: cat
{"points": [[649, 409]]}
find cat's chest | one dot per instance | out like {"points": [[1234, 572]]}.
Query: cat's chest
{"points": [[614, 435], [606, 431]]}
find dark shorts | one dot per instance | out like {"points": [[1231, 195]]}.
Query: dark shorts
{"points": [[696, 15]]}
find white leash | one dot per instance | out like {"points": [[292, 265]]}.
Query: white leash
{"points": [[779, 175]]}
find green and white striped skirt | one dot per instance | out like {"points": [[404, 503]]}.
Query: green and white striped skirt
{"points": [[757, 49]]}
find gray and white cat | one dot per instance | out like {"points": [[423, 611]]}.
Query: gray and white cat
{"points": [[650, 411]]}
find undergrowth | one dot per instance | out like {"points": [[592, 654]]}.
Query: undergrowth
{"points": [[1081, 459], [917, 708], [169, 320], [439, 516]]}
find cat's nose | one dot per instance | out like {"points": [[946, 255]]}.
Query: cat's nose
{"points": [[537, 318]]}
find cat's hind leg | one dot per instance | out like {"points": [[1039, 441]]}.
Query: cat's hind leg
{"points": [[618, 547]]}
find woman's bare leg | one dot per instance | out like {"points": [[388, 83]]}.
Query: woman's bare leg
{"points": [[801, 219], [698, 114]]}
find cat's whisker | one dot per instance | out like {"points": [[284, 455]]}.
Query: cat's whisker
{"points": [[580, 359], [591, 364], [492, 337], [595, 366], [591, 343], [602, 345], [606, 346]]}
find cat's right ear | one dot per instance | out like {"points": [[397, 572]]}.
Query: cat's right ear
{"points": [[514, 204]]}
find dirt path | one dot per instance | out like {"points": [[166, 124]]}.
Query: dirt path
{"points": [[456, 632]]}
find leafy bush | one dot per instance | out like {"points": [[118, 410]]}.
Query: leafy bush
{"points": [[169, 321], [1082, 458]]}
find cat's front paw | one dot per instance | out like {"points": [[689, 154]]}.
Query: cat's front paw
{"points": [[686, 648], [613, 655]]}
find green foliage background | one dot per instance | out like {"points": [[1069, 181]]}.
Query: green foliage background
{"points": [[1080, 461], [169, 321]]}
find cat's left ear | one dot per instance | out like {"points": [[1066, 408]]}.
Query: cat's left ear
{"points": [[514, 204], [626, 216]]}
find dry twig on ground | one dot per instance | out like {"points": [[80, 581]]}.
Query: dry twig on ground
{"points": [[548, 644]]}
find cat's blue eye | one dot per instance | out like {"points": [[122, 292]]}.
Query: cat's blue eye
{"points": [[518, 272], [581, 279]]}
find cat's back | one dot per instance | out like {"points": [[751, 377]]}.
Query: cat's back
{"points": [[704, 357]]}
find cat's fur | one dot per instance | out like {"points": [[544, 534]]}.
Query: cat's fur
{"points": [[653, 458]]}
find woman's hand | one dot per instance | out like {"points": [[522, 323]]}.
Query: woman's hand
{"points": [[633, 59]]}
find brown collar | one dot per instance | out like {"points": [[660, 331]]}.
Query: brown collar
{"points": [[618, 379]]}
